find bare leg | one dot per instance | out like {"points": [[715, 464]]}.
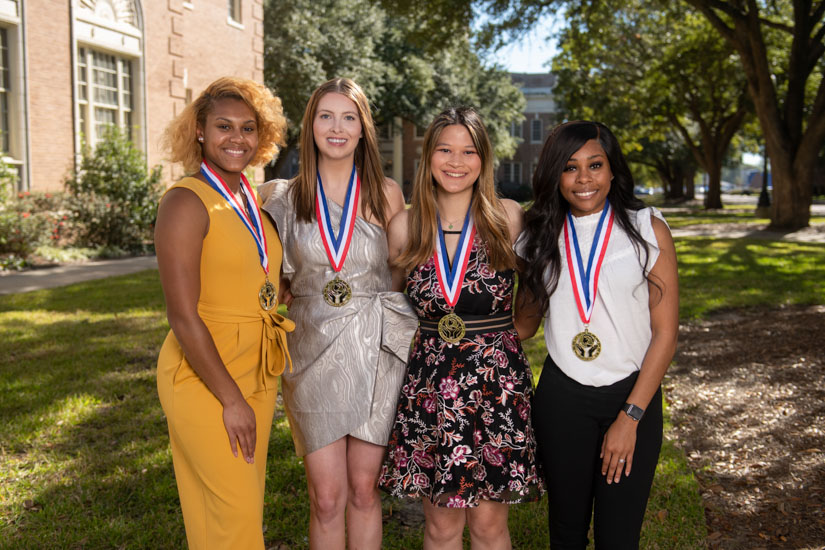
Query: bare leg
{"points": [[488, 526], [443, 527], [326, 471], [363, 501]]}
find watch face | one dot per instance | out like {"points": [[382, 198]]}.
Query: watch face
{"points": [[633, 411]]}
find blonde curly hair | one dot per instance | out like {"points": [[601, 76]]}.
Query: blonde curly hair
{"points": [[180, 137]]}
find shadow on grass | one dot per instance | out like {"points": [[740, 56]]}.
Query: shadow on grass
{"points": [[112, 295], [750, 396], [108, 359], [717, 274]]}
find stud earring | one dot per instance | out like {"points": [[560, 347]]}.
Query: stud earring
{"points": [[200, 139]]}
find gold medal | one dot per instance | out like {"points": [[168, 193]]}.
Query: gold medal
{"points": [[267, 296], [451, 328], [586, 345], [337, 292]]}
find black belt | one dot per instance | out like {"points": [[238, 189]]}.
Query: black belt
{"points": [[474, 324]]}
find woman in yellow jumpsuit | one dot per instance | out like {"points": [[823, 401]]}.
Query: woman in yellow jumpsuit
{"points": [[219, 262]]}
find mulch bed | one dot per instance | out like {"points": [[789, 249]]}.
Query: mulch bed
{"points": [[747, 395]]}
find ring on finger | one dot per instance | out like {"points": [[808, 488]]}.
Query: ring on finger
{"points": [[621, 460]]}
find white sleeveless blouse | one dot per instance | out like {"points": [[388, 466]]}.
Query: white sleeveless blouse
{"points": [[621, 315]]}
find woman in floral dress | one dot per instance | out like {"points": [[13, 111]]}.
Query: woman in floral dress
{"points": [[462, 437]]}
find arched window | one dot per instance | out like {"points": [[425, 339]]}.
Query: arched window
{"points": [[108, 69]]}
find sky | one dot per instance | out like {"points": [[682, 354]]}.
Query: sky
{"points": [[532, 52]]}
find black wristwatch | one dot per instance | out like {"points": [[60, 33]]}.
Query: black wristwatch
{"points": [[634, 412]]}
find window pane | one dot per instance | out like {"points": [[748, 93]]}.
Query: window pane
{"points": [[103, 118], [536, 130], [83, 117], [107, 83], [126, 84], [234, 9]]}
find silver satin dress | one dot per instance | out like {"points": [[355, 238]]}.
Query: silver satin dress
{"points": [[348, 362]]}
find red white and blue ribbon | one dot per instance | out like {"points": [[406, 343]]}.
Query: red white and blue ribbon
{"points": [[451, 276], [585, 280], [338, 246], [251, 218]]}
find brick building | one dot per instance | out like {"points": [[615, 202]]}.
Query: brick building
{"points": [[70, 68], [401, 141], [515, 175]]}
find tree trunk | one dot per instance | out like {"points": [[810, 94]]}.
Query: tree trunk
{"points": [[677, 188], [792, 187], [690, 187], [713, 197], [668, 182]]}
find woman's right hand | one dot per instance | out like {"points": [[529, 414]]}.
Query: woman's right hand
{"points": [[239, 421]]}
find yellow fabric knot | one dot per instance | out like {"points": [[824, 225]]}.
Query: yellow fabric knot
{"points": [[275, 327]]}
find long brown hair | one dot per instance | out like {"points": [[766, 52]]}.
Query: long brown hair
{"points": [[544, 221], [488, 212], [367, 158]]}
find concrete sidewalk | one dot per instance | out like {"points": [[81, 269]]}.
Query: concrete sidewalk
{"points": [[51, 277]]}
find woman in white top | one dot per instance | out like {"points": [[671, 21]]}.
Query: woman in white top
{"points": [[600, 268]]}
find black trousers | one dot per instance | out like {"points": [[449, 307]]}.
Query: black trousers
{"points": [[570, 420]]}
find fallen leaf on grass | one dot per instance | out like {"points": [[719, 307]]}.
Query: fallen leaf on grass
{"points": [[662, 515], [715, 535]]}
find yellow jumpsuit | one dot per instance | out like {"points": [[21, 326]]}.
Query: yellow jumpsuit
{"points": [[221, 495]]}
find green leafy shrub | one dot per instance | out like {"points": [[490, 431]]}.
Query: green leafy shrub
{"points": [[113, 197]]}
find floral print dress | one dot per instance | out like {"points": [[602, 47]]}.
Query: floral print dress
{"points": [[462, 429]]}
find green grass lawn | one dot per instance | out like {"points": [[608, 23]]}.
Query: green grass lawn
{"points": [[716, 274], [84, 452]]}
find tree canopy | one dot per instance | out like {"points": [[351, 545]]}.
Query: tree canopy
{"points": [[310, 41], [780, 48], [654, 73]]}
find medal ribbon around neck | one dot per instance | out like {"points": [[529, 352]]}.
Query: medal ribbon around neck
{"points": [[337, 247], [250, 219], [451, 277], [586, 282]]}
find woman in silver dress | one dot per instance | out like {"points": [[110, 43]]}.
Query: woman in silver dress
{"points": [[352, 334]]}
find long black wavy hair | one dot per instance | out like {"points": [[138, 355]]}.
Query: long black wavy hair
{"points": [[544, 221]]}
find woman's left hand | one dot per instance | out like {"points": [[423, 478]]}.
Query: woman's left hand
{"points": [[617, 448]]}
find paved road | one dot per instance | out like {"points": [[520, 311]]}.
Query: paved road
{"points": [[50, 277]]}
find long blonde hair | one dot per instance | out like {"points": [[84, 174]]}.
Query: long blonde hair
{"points": [[367, 158], [180, 138], [488, 212]]}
